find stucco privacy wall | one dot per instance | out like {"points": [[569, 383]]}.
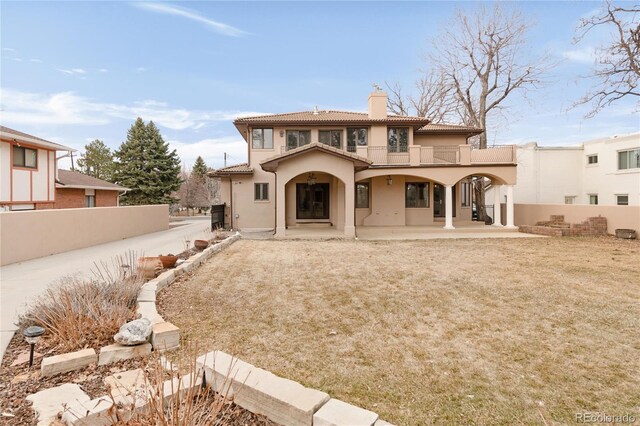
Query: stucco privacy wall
{"points": [[618, 217], [31, 234]]}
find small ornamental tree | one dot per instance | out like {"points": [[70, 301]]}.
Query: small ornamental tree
{"points": [[145, 164]]}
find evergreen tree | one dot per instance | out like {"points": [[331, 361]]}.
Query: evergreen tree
{"points": [[200, 168], [97, 161], [145, 165]]}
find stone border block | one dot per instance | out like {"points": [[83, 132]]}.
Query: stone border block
{"points": [[164, 279], [95, 412], [339, 413], [117, 352], [70, 361], [148, 310], [165, 336], [262, 392], [147, 294]]}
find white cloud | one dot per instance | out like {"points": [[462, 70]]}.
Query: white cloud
{"points": [[72, 71], [103, 70], [17, 59], [69, 108], [8, 49], [583, 55], [35, 60], [212, 151], [142, 69], [167, 9]]}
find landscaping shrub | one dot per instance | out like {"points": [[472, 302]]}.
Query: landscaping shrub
{"points": [[78, 313]]}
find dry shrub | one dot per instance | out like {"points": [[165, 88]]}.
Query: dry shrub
{"points": [[78, 313]]}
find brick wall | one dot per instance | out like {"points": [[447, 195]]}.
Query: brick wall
{"points": [[69, 198], [557, 227], [106, 198], [45, 206], [72, 198]]}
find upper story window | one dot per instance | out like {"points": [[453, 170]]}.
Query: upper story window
{"points": [[356, 137], [262, 138], [331, 137], [622, 199], [629, 159], [296, 138], [398, 139], [25, 157], [592, 159], [593, 199]]}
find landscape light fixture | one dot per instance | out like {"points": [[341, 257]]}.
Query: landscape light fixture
{"points": [[311, 179], [389, 180], [32, 334]]}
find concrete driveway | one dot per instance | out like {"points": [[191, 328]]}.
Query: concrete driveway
{"points": [[22, 282]]}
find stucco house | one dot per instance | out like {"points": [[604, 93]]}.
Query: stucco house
{"points": [[603, 171], [351, 169], [76, 190], [28, 167]]}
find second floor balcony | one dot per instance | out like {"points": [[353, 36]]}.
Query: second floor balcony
{"points": [[416, 155]]}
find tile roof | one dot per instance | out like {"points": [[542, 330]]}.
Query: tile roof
{"points": [[73, 179], [6, 131], [448, 128], [360, 162], [238, 169], [329, 117]]}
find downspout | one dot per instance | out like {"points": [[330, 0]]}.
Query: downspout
{"points": [[355, 228], [275, 206], [231, 200]]}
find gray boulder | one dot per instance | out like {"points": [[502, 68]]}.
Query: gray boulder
{"points": [[134, 332]]}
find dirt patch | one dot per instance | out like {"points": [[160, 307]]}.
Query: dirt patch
{"points": [[479, 331]]}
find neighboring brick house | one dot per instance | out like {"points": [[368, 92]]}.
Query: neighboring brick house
{"points": [[77, 190]]}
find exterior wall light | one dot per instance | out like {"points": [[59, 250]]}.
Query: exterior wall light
{"points": [[389, 180], [311, 179], [32, 335], [281, 133]]}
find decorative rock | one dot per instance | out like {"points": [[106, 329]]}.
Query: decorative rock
{"points": [[339, 413], [134, 332], [67, 362], [262, 392], [129, 386], [49, 402], [24, 357], [117, 352], [165, 336]]}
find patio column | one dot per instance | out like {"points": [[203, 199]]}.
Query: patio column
{"points": [[281, 213], [448, 207], [510, 207], [497, 210], [349, 209]]}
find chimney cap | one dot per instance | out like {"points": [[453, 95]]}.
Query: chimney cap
{"points": [[315, 110], [377, 87]]}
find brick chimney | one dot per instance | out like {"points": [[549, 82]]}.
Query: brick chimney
{"points": [[378, 104]]}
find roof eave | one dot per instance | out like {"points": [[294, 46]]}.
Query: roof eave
{"points": [[36, 142]]}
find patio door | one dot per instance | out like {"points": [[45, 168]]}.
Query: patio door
{"points": [[439, 201], [312, 202]]}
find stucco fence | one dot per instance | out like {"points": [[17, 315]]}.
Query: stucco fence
{"points": [[618, 217], [28, 235]]}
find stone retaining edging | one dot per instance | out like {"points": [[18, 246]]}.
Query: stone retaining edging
{"points": [[164, 336]]}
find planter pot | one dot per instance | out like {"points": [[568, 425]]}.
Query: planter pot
{"points": [[201, 244], [627, 234], [168, 261], [149, 267]]}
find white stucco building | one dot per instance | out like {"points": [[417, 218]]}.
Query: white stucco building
{"points": [[602, 171]]}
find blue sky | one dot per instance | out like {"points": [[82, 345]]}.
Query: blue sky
{"points": [[72, 72]]}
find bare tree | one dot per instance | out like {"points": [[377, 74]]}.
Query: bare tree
{"points": [[617, 65], [193, 192], [430, 100]]}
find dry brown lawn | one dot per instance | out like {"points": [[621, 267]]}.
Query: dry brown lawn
{"points": [[492, 331]]}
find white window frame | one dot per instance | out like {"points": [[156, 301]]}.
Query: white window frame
{"points": [[261, 192], [569, 199], [592, 163], [630, 163], [596, 199], [618, 199]]}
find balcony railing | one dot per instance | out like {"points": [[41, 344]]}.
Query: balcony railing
{"points": [[416, 155]]}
